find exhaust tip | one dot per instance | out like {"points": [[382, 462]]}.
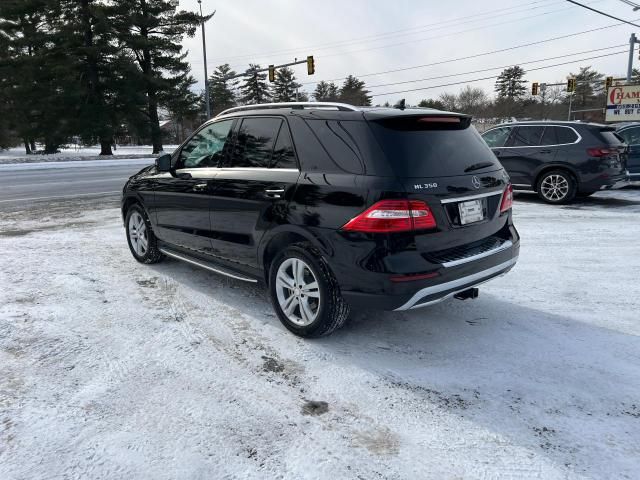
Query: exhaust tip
{"points": [[466, 294]]}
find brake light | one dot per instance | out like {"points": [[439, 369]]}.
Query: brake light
{"points": [[599, 151], [507, 199], [388, 216]]}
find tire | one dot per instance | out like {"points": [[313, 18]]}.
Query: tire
{"points": [[557, 187], [142, 242], [322, 310]]}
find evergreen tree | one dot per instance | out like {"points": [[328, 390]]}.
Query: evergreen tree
{"points": [[511, 83], [589, 86], [152, 30], [285, 86], [353, 91], [326, 92], [222, 92], [431, 103], [255, 88]]}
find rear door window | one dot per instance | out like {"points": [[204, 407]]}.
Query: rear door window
{"points": [[255, 141], [427, 147], [497, 137], [283, 155], [527, 136]]}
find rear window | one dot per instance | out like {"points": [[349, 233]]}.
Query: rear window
{"points": [[426, 147], [611, 137]]}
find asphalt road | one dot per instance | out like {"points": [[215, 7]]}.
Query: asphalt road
{"points": [[45, 182]]}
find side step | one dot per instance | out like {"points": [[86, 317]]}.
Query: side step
{"points": [[205, 265]]}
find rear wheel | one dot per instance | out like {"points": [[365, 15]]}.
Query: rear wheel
{"points": [[557, 187], [304, 292], [142, 242]]}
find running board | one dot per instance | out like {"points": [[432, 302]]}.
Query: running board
{"points": [[205, 265]]}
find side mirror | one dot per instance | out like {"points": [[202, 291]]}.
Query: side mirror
{"points": [[163, 163]]}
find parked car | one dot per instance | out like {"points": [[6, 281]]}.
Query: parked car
{"points": [[331, 206], [560, 160], [630, 132]]}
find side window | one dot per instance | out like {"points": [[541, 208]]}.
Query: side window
{"points": [[630, 135], [566, 135], [207, 147], [339, 140], [283, 155], [256, 138], [527, 136], [497, 137], [550, 136]]}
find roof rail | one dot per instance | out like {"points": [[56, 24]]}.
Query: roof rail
{"points": [[343, 107]]}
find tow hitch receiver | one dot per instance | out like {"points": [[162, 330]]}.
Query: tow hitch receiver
{"points": [[469, 293]]}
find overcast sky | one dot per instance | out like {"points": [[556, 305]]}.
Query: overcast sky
{"points": [[362, 37]]}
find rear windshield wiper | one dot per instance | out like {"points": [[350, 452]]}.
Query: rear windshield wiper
{"points": [[478, 166]]}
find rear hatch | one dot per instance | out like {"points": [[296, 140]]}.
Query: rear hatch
{"points": [[443, 161], [613, 153]]}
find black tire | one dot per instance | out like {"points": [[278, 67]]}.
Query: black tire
{"points": [[151, 254], [557, 177], [332, 310]]}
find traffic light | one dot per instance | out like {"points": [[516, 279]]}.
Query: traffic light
{"points": [[608, 82], [535, 87], [571, 84], [311, 66], [272, 73]]}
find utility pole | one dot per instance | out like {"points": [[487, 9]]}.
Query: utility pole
{"points": [[207, 100], [632, 43]]}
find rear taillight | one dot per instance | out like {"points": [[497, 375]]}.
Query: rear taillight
{"points": [[600, 151], [388, 216], [507, 199]]}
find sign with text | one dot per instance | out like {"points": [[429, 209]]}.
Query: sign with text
{"points": [[623, 103]]}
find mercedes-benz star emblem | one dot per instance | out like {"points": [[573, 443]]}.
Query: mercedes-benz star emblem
{"points": [[476, 182]]}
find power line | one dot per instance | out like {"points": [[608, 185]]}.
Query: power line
{"points": [[322, 46], [602, 13], [631, 4], [414, 41], [482, 54], [495, 68], [495, 76]]}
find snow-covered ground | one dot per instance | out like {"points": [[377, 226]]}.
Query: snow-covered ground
{"points": [[112, 369], [75, 153]]}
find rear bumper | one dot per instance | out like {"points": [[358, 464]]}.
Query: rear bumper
{"points": [[606, 182], [450, 280]]}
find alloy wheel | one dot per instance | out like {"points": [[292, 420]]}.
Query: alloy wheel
{"points": [[554, 188], [298, 292], [138, 234]]}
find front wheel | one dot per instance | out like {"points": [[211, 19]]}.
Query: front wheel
{"points": [[557, 187], [304, 292], [142, 241]]}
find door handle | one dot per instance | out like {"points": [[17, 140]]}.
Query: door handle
{"points": [[274, 192], [200, 187]]}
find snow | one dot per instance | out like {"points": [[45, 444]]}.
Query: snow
{"points": [[75, 164], [112, 369], [76, 153]]}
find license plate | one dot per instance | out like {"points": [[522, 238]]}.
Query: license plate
{"points": [[471, 211]]}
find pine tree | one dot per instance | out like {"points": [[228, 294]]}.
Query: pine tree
{"points": [[222, 92], [353, 91], [511, 83], [589, 84], [431, 103], [152, 30], [285, 86], [255, 89], [326, 92]]}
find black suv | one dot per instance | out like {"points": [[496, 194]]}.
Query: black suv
{"points": [[332, 206], [560, 160]]}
